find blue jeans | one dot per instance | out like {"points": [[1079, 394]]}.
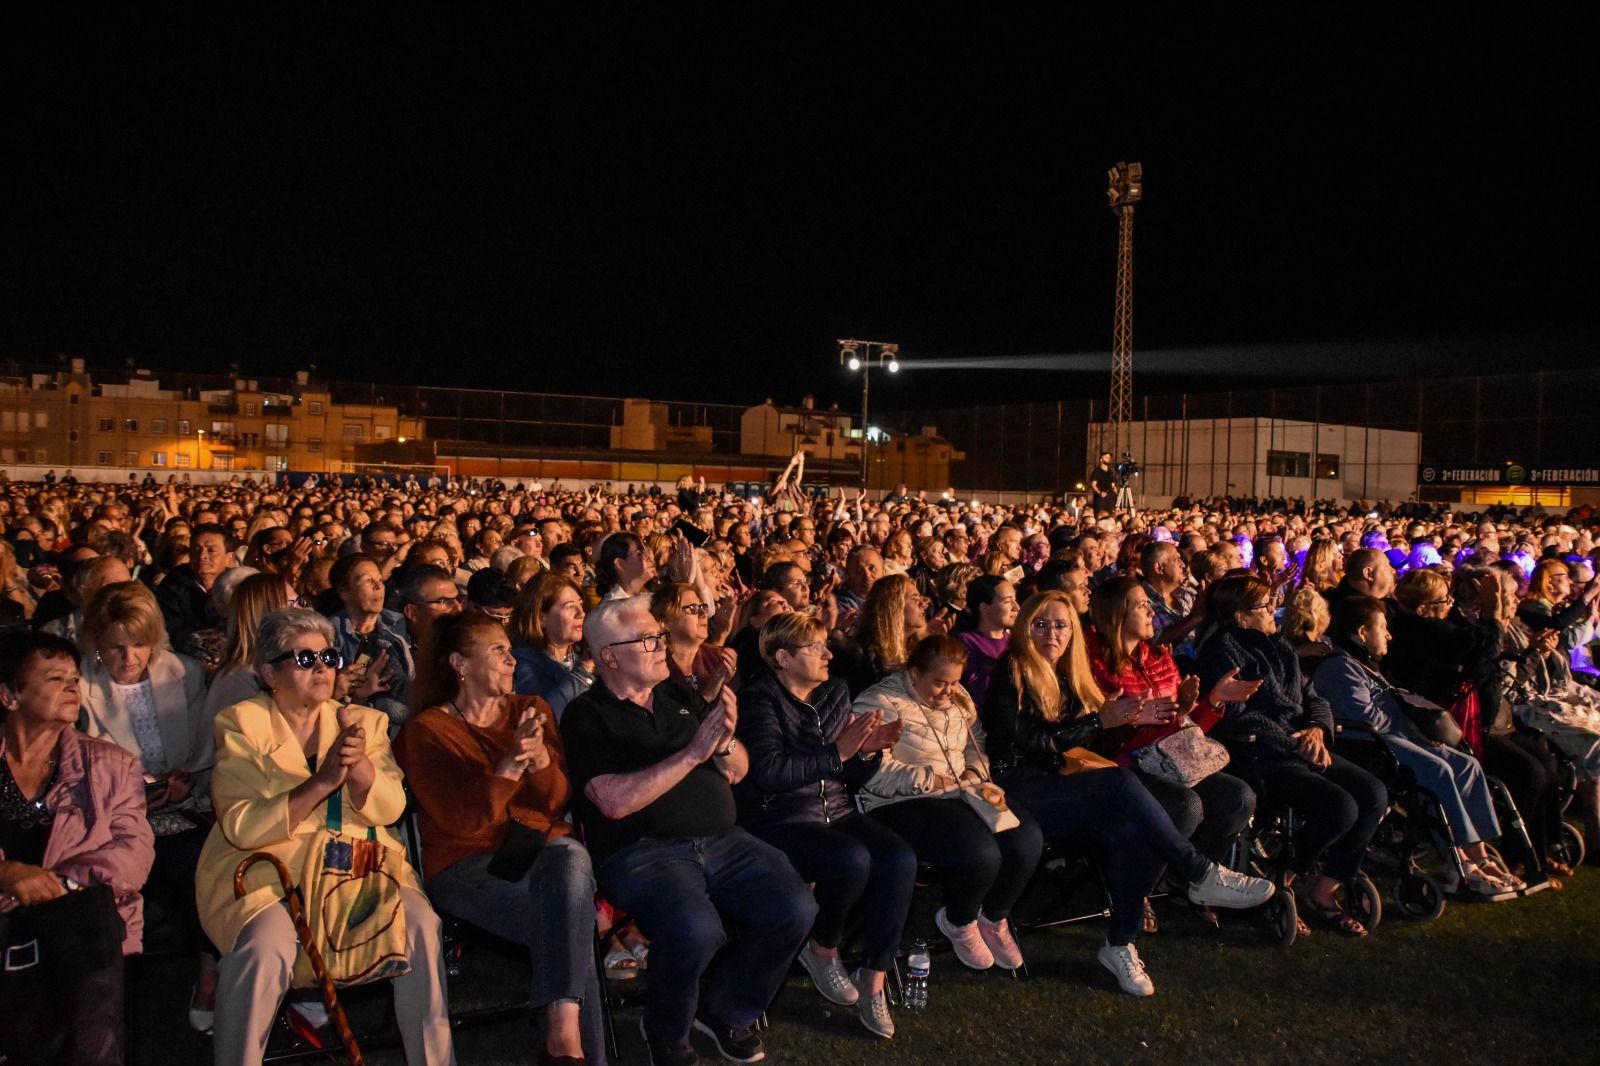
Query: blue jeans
{"points": [[550, 911], [1112, 809], [678, 890], [854, 860]]}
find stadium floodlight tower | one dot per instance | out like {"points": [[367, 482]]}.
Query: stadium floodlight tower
{"points": [[1126, 190]]}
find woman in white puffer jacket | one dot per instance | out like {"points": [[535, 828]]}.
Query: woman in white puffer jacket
{"points": [[933, 789]]}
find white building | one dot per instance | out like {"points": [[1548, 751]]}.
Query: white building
{"points": [[1265, 457]]}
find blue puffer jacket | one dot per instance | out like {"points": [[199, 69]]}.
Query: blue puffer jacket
{"points": [[796, 774]]}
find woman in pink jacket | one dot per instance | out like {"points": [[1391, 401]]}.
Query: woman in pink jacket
{"points": [[72, 816]]}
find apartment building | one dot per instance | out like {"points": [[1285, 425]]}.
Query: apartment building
{"points": [[66, 419]]}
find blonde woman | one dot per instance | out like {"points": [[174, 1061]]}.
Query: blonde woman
{"points": [[1042, 702], [149, 701], [257, 596], [893, 619], [1305, 626], [1323, 566]]}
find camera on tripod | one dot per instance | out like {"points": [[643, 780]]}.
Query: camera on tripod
{"points": [[1126, 469]]}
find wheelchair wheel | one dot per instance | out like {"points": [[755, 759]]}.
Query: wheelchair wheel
{"points": [[1568, 845], [1362, 900], [1283, 917], [1418, 897]]}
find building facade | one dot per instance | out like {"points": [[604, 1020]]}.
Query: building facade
{"points": [[65, 419], [1267, 457]]}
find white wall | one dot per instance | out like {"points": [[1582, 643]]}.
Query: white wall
{"points": [[1212, 457]]}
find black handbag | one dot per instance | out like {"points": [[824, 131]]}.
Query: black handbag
{"points": [[1431, 720], [61, 981]]}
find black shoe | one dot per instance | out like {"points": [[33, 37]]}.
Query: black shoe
{"points": [[736, 1045], [668, 1052]]}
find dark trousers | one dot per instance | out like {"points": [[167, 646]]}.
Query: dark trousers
{"points": [[675, 889], [1524, 763], [1210, 814], [1114, 811], [172, 875], [1339, 809], [853, 860], [977, 868]]}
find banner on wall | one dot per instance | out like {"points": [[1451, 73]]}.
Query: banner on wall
{"points": [[1508, 474]]}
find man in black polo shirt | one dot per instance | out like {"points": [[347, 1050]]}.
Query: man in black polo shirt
{"points": [[651, 767]]}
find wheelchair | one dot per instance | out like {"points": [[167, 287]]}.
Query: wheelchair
{"points": [[1414, 848], [1567, 844], [1266, 849]]}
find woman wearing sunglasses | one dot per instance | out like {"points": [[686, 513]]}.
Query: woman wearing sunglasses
{"points": [[691, 659], [280, 756]]}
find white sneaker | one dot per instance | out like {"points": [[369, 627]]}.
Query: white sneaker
{"points": [[1001, 944], [1126, 966], [873, 1010], [829, 977], [1222, 887], [968, 942]]}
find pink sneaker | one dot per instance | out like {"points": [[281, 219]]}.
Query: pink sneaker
{"points": [[967, 941], [1002, 945]]}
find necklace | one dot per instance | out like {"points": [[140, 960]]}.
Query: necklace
{"points": [[15, 807]]}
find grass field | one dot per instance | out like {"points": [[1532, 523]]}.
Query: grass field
{"points": [[1501, 983]]}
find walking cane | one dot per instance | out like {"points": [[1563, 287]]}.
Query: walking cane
{"points": [[303, 930]]}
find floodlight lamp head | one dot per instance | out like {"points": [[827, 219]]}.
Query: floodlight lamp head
{"points": [[894, 366], [855, 364]]}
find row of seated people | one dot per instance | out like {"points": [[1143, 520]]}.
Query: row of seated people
{"points": [[775, 766]]}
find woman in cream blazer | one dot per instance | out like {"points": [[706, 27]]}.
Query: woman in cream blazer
{"points": [[280, 756]]}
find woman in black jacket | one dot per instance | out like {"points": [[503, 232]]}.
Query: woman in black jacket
{"points": [[1284, 733], [802, 740], [1041, 703]]}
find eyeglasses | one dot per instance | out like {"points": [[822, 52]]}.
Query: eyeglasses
{"points": [[442, 601], [1447, 601], [699, 610], [1259, 607], [306, 659], [650, 642], [1045, 625]]}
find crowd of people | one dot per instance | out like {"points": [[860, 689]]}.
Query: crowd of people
{"points": [[725, 733]]}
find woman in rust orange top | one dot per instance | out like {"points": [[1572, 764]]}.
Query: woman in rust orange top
{"points": [[487, 771]]}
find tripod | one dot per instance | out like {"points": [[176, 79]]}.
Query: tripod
{"points": [[1124, 500]]}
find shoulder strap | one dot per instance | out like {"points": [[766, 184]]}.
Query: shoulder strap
{"points": [[336, 814]]}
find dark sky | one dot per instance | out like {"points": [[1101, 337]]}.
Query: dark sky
{"points": [[695, 205]]}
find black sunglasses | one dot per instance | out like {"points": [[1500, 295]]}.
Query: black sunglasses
{"points": [[305, 658]]}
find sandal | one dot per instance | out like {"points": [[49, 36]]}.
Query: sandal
{"points": [[1335, 918], [620, 963], [1557, 868], [1150, 924], [1300, 927]]}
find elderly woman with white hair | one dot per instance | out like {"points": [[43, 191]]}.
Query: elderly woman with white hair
{"points": [[292, 766]]}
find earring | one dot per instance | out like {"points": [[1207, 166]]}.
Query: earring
{"points": [[99, 661]]}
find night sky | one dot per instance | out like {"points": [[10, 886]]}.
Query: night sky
{"points": [[694, 205]]}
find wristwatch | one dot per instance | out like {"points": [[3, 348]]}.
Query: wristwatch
{"points": [[725, 752]]}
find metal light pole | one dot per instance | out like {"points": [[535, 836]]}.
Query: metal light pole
{"points": [[1126, 190], [860, 355]]}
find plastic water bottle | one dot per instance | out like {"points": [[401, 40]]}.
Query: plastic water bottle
{"points": [[918, 964]]}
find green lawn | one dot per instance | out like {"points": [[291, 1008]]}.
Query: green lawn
{"points": [[1501, 983]]}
